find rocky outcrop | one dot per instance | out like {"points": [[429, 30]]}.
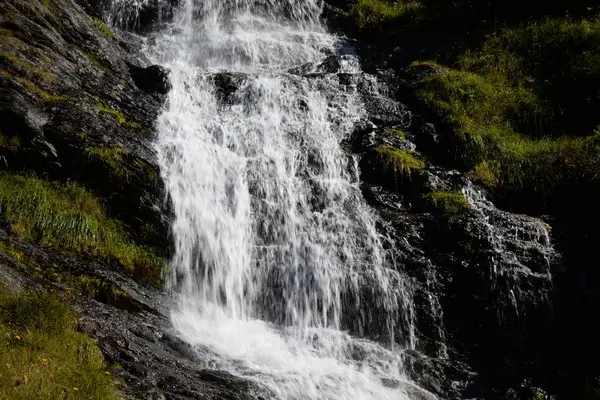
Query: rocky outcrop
{"points": [[78, 102]]}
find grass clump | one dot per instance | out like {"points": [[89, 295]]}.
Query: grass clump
{"points": [[113, 157], [67, 217], [397, 165], [103, 28], [384, 19], [120, 118], [33, 88], [43, 356], [447, 202]]}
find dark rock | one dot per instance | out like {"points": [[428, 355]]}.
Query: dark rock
{"points": [[227, 84], [152, 79], [95, 93]]}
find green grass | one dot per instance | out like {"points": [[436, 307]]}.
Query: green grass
{"points": [[120, 118], [67, 217], [103, 28], [521, 113], [43, 356], [447, 202], [397, 165], [368, 13], [113, 157], [383, 19]]}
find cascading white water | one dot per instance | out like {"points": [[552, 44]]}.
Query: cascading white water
{"points": [[276, 252]]}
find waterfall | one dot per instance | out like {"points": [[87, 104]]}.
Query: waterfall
{"points": [[279, 269]]}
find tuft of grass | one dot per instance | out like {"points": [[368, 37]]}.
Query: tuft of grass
{"points": [[397, 165], [120, 118], [67, 217], [113, 157], [447, 202], [43, 355], [379, 14], [103, 28], [483, 174]]}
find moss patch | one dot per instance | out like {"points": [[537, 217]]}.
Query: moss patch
{"points": [[103, 28], [113, 158], [447, 202], [67, 217], [120, 118], [43, 356]]}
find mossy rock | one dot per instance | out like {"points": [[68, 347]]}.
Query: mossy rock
{"points": [[446, 202]]}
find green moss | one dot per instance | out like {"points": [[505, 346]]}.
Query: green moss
{"points": [[30, 69], [33, 88], [396, 132], [95, 287], [151, 173], [97, 62], [397, 165], [43, 355], [447, 202], [120, 118], [112, 157], [10, 250], [103, 28], [67, 217]]}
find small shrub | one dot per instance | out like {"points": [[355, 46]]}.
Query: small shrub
{"points": [[447, 202], [43, 356]]}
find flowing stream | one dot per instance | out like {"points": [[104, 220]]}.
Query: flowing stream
{"points": [[279, 269]]}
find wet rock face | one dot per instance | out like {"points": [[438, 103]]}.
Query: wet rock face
{"points": [[71, 88], [482, 277], [131, 323]]}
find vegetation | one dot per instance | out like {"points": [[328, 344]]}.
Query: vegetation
{"points": [[447, 202], [43, 356], [120, 118], [67, 217], [398, 165], [519, 95], [103, 28], [381, 18], [113, 157]]}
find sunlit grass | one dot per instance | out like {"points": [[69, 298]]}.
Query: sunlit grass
{"points": [[43, 356], [67, 216]]}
